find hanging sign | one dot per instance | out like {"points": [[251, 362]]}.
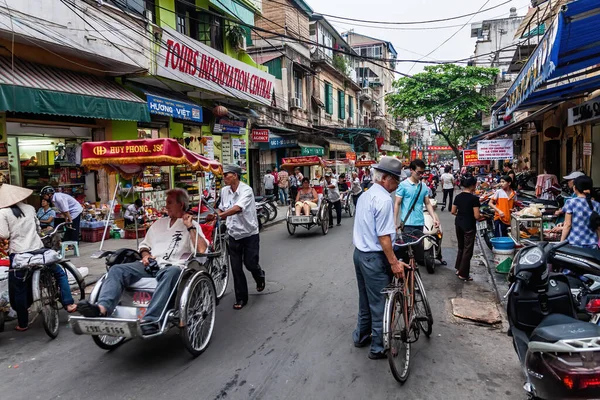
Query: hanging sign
{"points": [[172, 108], [440, 148], [587, 149], [227, 125], [260, 135], [209, 147], [186, 60], [226, 149], [586, 112], [538, 69], [351, 156], [277, 142], [470, 159], [500, 149]]}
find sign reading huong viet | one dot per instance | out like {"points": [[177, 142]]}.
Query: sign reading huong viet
{"points": [[187, 60]]}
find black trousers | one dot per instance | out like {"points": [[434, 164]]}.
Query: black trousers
{"points": [[269, 192], [72, 235], [466, 244], [338, 211], [244, 251], [448, 193], [355, 198]]}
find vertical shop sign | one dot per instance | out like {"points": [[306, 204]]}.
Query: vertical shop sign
{"points": [[226, 149], [209, 147], [4, 165], [235, 151], [587, 149]]}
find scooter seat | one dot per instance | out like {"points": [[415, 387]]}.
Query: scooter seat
{"points": [[557, 327], [590, 254], [144, 284]]}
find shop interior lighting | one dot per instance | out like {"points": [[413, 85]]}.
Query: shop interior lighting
{"points": [[45, 126], [35, 143]]}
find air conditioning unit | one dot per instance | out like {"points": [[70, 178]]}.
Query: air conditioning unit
{"points": [[296, 102]]}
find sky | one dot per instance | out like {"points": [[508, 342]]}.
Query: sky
{"points": [[414, 44]]}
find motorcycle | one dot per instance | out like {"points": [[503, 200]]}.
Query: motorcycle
{"points": [[559, 354], [269, 203], [432, 249], [485, 227], [262, 213]]}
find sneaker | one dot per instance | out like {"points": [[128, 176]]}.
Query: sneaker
{"points": [[364, 343], [331, 225], [339, 224], [377, 356]]}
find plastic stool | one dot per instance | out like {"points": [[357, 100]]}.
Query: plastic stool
{"points": [[64, 248]]}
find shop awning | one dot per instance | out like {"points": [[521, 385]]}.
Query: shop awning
{"points": [[338, 145], [309, 149], [570, 45], [510, 128], [40, 89]]}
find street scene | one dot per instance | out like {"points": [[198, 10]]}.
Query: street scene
{"points": [[286, 199]]}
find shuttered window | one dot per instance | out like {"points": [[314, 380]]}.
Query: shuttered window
{"points": [[328, 98], [350, 107], [341, 105]]}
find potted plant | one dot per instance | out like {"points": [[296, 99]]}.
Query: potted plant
{"points": [[236, 35]]}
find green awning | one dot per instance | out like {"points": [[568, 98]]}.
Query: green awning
{"points": [[39, 89]]}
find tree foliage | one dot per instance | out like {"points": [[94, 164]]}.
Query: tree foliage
{"points": [[447, 96]]}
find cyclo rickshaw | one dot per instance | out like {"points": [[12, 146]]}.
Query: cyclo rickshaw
{"points": [[319, 216], [203, 279], [346, 195]]}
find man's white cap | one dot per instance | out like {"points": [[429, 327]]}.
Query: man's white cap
{"points": [[573, 175]]}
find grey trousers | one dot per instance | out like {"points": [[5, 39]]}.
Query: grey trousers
{"points": [[372, 276], [122, 275]]}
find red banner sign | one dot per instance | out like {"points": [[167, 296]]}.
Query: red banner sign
{"points": [[260, 135], [439, 148], [351, 156], [301, 161], [364, 163], [470, 159]]}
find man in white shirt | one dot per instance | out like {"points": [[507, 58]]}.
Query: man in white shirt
{"points": [[333, 195], [238, 207], [269, 182], [167, 241], [135, 211], [448, 187], [70, 209]]}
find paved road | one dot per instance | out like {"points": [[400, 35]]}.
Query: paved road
{"points": [[293, 342]]}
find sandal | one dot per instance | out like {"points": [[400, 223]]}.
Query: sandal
{"points": [[443, 262], [238, 305], [19, 329], [88, 309], [71, 308], [468, 279], [260, 286]]}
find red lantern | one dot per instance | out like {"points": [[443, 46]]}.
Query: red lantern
{"points": [[220, 111]]}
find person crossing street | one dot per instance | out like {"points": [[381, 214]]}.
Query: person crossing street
{"points": [[333, 194]]}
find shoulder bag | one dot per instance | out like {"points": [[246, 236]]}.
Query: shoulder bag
{"points": [[412, 207]]}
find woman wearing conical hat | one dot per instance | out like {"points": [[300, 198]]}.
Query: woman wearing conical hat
{"points": [[19, 225]]}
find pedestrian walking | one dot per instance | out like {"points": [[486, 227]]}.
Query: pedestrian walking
{"points": [[355, 188], [269, 182], [502, 203], [294, 184], [466, 209], [275, 174], [366, 179], [283, 184], [580, 227], [238, 207], [447, 187], [374, 259], [333, 195]]}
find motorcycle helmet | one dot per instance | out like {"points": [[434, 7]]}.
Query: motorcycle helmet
{"points": [[47, 190]]}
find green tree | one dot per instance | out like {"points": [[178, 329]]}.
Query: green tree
{"points": [[447, 96]]}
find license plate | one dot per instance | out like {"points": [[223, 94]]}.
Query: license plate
{"points": [[301, 220], [481, 225], [105, 328]]}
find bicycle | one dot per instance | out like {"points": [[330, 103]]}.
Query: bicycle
{"points": [[407, 311]]}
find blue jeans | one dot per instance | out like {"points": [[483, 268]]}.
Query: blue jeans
{"points": [[19, 288], [500, 229], [123, 275], [372, 276], [283, 195]]}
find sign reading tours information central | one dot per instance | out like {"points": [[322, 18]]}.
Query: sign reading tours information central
{"points": [[196, 64]]}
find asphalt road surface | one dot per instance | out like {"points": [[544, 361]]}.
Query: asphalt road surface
{"points": [[293, 341]]}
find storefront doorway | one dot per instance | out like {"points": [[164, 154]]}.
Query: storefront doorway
{"points": [[595, 168], [552, 157]]}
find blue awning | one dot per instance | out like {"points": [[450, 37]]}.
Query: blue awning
{"points": [[570, 45]]}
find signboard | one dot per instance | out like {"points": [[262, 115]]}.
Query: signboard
{"points": [[440, 148], [260, 135], [586, 112], [186, 60], [226, 149], [500, 149], [351, 156], [312, 151], [538, 69], [209, 147], [587, 149], [364, 163], [305, 161], [172, 108], [226, 125], [470, 159], [277, 142]]}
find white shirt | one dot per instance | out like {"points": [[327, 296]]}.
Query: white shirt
{"points": [[269, 181], [65, 203], [447, 181], [245, 223], [133, 212], [22, 233], [374, 217], [332, 194], [169, 243]]}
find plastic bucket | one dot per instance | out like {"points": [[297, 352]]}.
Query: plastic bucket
{"points": [[503, 260]]}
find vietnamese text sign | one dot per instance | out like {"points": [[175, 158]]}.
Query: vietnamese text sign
{"points": [[588, 111], [187, 60], [500, 149], [172, 108], [277, 142], [226, 125], [260, 135], [587, 149], [470, 158], [209, 147], [226, 149], [312, 151]]}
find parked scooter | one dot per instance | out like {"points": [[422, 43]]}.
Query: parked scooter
{"points": [[270, 205], [432, 249], [559, 354]]}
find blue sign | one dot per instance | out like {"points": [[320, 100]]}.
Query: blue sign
{"points": [[276, 142], [231, 126], [172, 108]]}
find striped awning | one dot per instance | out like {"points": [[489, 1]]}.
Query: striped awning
{"points": [[36, 88]]}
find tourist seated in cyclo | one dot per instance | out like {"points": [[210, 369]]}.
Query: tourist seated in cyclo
{"points": [[306, 198], [167, 240]]}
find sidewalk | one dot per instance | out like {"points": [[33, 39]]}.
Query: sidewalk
{"points": [[97, 267], [500, 282]]}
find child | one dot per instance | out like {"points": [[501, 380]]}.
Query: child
{"points": [[502, 202]]}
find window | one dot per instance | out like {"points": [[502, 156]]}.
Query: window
{"points": [[151, 6], [328, 98], [326, 40], [371, 51], [181, 18], [350, 107], [298, 88], [341, 105], [208, 29]]}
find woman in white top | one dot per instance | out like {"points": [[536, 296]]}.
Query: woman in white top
{"points": [[447, 187], [19, 225]]}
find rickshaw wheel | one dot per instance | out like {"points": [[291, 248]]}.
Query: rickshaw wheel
{"points": [[350, 206], [219, 270], [324, 218], [198, 307], [291, 228], [106, 342], [49, 302]]}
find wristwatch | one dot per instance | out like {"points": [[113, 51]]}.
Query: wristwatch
{"points": [[191, 227]]}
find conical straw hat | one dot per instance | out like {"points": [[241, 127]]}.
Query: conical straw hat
{"points": [[10, 194]]}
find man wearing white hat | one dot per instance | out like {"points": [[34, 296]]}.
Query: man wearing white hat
{"points": [[19, 225]]}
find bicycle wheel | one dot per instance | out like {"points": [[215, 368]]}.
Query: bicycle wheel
{"points": [[106, 342], [198, 307], [49, 302], [422, 310], [219, 269], [399, 347], [350, 206]]}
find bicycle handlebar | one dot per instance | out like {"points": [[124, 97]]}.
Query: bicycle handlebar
{"points": [[396, 244], [58, 227]]}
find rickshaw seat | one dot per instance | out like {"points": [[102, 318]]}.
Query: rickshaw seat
{"points": [[314, 210], [144, 284]]}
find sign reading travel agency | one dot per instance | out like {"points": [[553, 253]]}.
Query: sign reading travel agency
{"points": [[499, 149], [187, 60], [172, 108], [260, 135], [586, 112]]}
